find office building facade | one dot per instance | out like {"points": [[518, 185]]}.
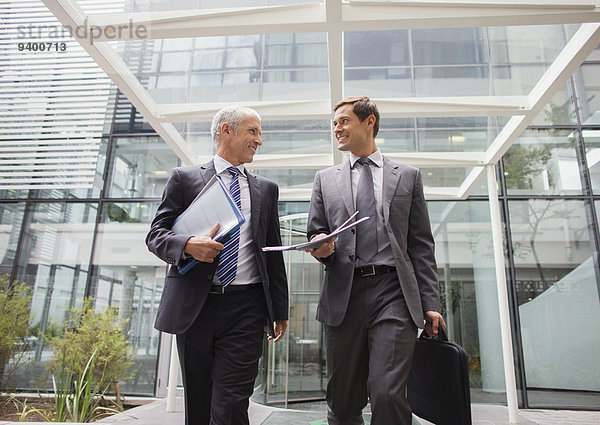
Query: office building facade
{"points": [[83, 172]]}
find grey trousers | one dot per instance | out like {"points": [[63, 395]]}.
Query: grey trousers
{"points": [[369, 355]]}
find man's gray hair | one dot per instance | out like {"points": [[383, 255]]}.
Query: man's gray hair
{"points": [[232, 115]]}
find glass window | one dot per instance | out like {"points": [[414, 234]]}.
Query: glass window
{"points": [[395, 140], [465, 258], [559, 111], [557, 292], [304, 376], [279, 55], [140, 167], [378, 82], [296, 137], [444, 177], [525, 44], [279, 137], [542, 162], [55, 255], [448, 46], [516, 79], [587, 85], [380, 72], [128, 276], [290, 178], [13, 193], [291, 85], [210, 42], [455, 134], [392, 48], [452, 81], [11, 217], [208, 59], [592, 151], [175, 62], [312, 55], [232, 68], [94, 166], [245, 57]]}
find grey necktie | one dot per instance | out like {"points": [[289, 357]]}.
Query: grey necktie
{"points": [[366, 232]]}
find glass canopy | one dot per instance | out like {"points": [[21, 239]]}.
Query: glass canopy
{"points": [[457, 82]]}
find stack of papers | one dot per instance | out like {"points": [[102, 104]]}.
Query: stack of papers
{"points": [[314, 244]]}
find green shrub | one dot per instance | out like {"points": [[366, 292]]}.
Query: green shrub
{"points": [[93, 335], [15, 299], [79, 400]]}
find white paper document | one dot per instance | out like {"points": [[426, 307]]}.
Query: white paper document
{"points": [[213, 204], [314, 244]]}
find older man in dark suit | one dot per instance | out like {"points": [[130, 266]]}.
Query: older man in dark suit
{"points": [[380, 279], [222, 306]]}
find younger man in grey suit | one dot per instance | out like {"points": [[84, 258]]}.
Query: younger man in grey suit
{"points": [[380, 280], [221, 307]]}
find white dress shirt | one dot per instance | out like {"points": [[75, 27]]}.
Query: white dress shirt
{"points": [[247, 271]]}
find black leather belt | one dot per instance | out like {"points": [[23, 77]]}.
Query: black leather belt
{"points": [[373, 270], [220, 289]]}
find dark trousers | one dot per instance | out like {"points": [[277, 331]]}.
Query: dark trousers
{"points": [[369, 355], [219, 357]]}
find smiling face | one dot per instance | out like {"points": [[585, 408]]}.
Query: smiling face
{"points": [[238, 147], [352, 134]]}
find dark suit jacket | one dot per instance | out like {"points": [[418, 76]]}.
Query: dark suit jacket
{"points": [[407, 224], [184, 295]]}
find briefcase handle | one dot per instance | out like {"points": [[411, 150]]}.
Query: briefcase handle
{"points": [[441, 335]]}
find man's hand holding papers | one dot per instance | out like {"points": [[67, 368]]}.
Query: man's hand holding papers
{"points": [[324, 250], [204, 248], [314, 246]]}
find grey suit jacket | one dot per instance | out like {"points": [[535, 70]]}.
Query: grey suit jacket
{"points": [[184, 295], [407, 224]]}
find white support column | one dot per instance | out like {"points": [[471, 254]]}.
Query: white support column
{"points": [[173, 377], [507, 351]]}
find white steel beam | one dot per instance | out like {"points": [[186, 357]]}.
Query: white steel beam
{"points": [[290, 161], [72, 16], [460, 106], [431, 193], [210, 22], [470, 182], [359, 16], [317, 161], [503, 307], [441, 193], [335, 46], [410, 107], [440, 159], [282, 110], [583, 42], [353, 16]]}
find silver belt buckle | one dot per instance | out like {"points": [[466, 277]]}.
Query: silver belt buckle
{"points": [[365, 272]]}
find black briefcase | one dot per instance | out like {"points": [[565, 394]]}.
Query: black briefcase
{"points": [[438, 386]]}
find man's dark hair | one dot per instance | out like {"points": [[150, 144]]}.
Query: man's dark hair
{"points": [[363, 107]]}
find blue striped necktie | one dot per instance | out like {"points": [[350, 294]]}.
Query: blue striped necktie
{"points": [[227, 267]]}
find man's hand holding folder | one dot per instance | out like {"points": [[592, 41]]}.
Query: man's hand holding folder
{"points": [[213, 207], [204, 248]]}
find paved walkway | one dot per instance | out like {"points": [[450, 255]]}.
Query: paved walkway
{"points": [[483, 414], [154, 413]]}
